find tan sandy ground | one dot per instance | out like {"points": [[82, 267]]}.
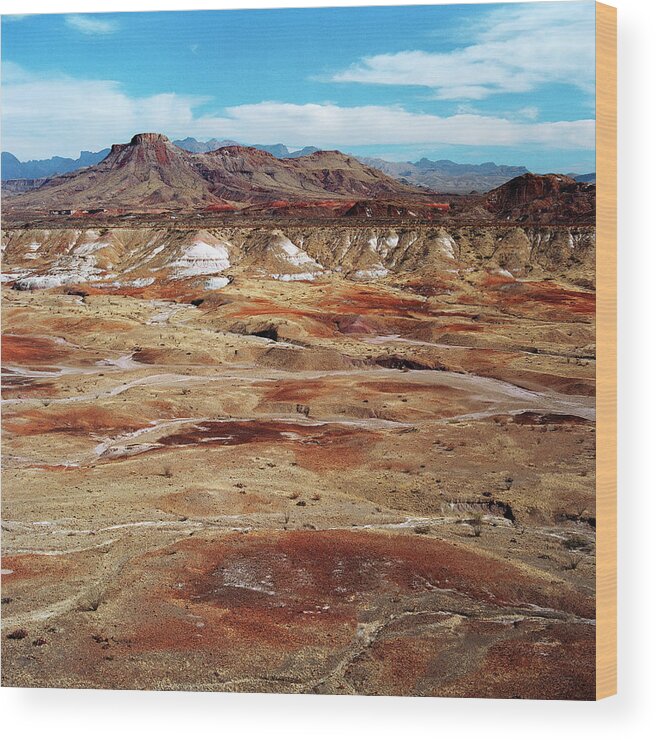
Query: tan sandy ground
{"points": [[189, 506]]}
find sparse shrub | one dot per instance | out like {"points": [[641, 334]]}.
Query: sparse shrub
{"points": [[475, 521], [92, 602], [19, 634], [168, 472], [421, 528], [576, 542], [573, 562]]}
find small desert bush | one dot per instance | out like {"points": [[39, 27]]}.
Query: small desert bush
{"points": [[421, 528], [573, 562], [92, 601], [475, 521], [576, 542]]}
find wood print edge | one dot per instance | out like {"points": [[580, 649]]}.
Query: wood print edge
{"points": [[606, 492]]}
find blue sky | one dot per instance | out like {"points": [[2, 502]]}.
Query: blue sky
{"points": [[513, 83]]}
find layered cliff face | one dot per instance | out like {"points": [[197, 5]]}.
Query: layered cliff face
{"points": [[56, 257]]}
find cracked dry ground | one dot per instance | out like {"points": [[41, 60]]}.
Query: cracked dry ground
{"points": [[280, 489]]}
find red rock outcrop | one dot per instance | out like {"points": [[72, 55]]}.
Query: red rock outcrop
{"points": [[543, 199]]}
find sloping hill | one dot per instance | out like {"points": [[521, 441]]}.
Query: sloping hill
{"points": [[147, 172], [150, 172], [543, 199], [245, 174]]}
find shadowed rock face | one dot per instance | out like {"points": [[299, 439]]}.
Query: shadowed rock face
{"points": [[541, 198]]}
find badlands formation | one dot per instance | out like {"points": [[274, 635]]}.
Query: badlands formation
{"points": [[338, 458]]}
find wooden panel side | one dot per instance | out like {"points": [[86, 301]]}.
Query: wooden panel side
{"points": [[606, 70]]}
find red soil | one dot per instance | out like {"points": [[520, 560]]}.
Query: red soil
{"points": [[459, 327], [26, 349], [295, 391], [83, 419], [550, 664], [365, 301], [272, 588], [38, 567], [228, 433], [333, 565], [548, 295]]}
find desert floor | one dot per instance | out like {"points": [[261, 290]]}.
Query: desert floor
{"points": [[301, 487]]}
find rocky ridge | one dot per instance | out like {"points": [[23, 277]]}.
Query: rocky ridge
{"points": [[49, 258]]}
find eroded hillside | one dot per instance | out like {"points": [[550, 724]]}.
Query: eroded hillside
{"points": [[141, 257], [311, 459]]}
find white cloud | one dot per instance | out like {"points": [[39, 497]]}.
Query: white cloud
{"points": [[531, 112], [61, 115], [519, 48], [91, 25], [331, 125]]}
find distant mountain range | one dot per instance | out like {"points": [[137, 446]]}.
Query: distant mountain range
{"points": [[280, 151], [151, 173], [590, 177], [446, 176], [438, 175], [37, 169], [14, 169]]}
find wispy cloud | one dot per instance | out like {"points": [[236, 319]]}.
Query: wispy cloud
{"points": [[91, 25], [332, 125], [518, 49], [90, 114]]}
